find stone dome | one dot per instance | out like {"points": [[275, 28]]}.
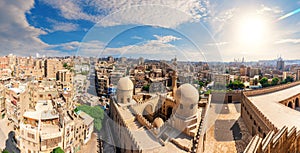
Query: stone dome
{"points": [[158, 122], [187, 93], [125, 84]]}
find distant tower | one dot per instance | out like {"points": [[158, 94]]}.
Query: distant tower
{"points": [[110, 59], [174, 82], [280, 64], [175, 61], [141, 61]]}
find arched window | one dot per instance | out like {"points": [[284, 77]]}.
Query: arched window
{"points": [[191, 106], [290, 105], [297, 102]]}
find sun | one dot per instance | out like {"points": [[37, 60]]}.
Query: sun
{"points": [[252, 30]]}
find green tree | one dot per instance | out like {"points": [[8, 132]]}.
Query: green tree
{"points": [[146, 87], [65, 65], [201, 84], [289, 79], [264, 82], [58, 150], [236, 85], [94, 111], [275, 81], [5, 151]]}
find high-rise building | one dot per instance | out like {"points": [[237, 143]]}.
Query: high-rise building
{"points": [[280, 64], [51, 67]]}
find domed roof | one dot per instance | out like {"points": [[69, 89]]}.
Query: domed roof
{"points": [[158, 122], [187, 93], [125, 84]]}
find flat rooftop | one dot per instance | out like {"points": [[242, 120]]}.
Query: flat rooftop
{"points": [[279, 114]]}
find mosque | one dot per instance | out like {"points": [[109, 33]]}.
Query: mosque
{"points": [[160, 122]]}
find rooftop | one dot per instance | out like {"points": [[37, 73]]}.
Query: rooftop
{"points": [[276, 112], [87, 119]]}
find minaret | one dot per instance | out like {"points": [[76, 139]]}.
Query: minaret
{"points": [[174, 82], [174, 77]]}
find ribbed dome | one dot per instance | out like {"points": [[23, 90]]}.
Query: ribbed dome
{"points": [[186, 93], [125, 84], [158, 122]]}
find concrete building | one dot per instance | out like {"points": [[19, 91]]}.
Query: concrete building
{"points": [[51, 67], [102, 84], [17, 101], [280, 64], [2, 102], [222, 79], [46, 128]]}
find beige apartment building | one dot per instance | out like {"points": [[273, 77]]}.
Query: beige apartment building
{"points": [[17, 101], [46, 128], [52, 66]]}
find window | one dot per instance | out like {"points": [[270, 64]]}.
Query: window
{"points": [[192, 105], [181, 106], [128, 100], [30, 135]]}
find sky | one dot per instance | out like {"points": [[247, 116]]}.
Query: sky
{"points": [[194, 30]]}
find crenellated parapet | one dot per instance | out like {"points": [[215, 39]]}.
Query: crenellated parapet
{"points": [[143, 121], [285, 140]]}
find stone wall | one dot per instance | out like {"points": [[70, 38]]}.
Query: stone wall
{"points": [[223, 96], [143, 121], [284, 141], [123, 135], [254, 119]]}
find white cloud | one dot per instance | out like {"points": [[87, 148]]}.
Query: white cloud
{"points": [[273, 10], [165, 39], [159, 48], [217, 43], [218, 19], [137, 37], [16, 35], [70, 9], [151, 12], [293, 41], [62, 26]]}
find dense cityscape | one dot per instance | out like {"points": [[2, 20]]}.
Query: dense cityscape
{"points": [[79, 104]]}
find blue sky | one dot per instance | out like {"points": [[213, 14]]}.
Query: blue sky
{"points": [[213, 30]]}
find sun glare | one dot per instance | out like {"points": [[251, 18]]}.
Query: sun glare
{"points": [[252, 31]]}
